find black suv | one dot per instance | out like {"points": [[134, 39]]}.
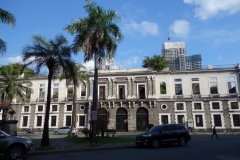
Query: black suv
{"points": [[14, 146], [164, 134]]}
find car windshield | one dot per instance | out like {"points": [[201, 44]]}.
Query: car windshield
{"points": [[155, 129], [4, 133]]}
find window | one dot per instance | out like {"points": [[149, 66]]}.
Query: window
{"points": [[26, 108], [102, 94], [68, 120], [234, 105], [217, 120], [70, 92], [42, 91], [25, 121], [69, 107], [54, 108], [180, 119], [163, 89], [197, 106], [164, 119], [53, 120], [213, 85], [40, 108], [195, 88], [178, 89], [177, 80], [83, 91], [55, 93], [199, 120], [179, 106], [236, 120], [81, 120], [82, 107], [121, 91], [231, 84], [215, 105], [141, 91], [39, 121], [163, 106]]}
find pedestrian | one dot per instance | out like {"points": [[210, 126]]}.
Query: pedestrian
{"points": [[214, 133]]}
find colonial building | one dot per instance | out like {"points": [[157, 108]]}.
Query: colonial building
{"points": [[132, 98]]}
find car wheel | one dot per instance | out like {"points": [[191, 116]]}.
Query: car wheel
{"points": [[155, 143], [56, 133], [15, 151], [182, 141]]}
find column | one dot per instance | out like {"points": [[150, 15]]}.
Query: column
{"points": [[129, 87], [114, 88], [153, 86], [134, 92], [109, 89], [91, 88], [149, 87]]}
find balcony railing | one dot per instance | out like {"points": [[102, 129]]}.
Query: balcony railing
{"points": [[102, 97]]}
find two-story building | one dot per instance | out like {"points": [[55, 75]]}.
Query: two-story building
{"points": [[132, 98]]}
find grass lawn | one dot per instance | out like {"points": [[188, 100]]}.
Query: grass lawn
{"points": [[85, 142]]}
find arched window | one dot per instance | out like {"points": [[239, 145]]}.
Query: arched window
{"points": [[163, 89]]}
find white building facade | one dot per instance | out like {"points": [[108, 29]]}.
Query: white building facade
{"points": [[133, 98]]}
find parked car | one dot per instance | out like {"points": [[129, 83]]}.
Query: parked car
{"points": [[64, 130], [14, 146], [164, 134]]}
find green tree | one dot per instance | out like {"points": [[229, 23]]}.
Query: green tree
{"points": [[75, 74], [156, 62], [9, 19], [19, 68], [53, 54], [96, 35], [12, 84]]}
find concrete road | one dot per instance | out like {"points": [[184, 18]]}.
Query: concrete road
{"points": [[201, 147]]}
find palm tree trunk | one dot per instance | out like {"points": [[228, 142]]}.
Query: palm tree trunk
{"points": [[95, 98], [74, 111], [45, 136]]}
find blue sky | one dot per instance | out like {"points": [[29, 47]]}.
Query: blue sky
{"points": [[208, 27]]}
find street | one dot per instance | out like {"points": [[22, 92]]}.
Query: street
{"points": [[200, 147]]}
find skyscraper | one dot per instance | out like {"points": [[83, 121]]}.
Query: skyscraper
{"points": [[175, 52]]}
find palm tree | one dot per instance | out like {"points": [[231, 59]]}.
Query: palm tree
{"points": [[53, 54], [76, 74], [9, 19], [12, 84], [96, 35]]}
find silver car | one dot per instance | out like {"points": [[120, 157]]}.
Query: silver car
{"points": [[64, 130]]}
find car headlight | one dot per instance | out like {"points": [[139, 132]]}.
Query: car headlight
{"points": [[147, 135], [29, 141]]}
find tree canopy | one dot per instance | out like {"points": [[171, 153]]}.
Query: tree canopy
{"points": [[157, 62], [9, 19]]}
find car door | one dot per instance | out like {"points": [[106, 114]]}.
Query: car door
{"points": [[174, 133], [165, 134], [3, 142], [61, 130]]}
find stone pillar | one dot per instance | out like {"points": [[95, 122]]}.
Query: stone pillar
{"points": [[109, 89], [91, 88], [114, 88], [149, 87], [134, 88], [129, 87], [153, 87]]}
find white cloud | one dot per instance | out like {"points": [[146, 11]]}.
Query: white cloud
{"points": [[180, 28], [145, 28], [17, 59], [206, 9], [89, 65], [123, 64]]}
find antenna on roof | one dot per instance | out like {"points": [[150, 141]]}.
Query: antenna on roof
{"points": [[168, 37]]}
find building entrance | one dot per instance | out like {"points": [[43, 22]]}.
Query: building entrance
{"points": [[121, 120], [142, 119]]}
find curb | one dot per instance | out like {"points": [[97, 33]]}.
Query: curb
{"points": [[88, 149]]}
